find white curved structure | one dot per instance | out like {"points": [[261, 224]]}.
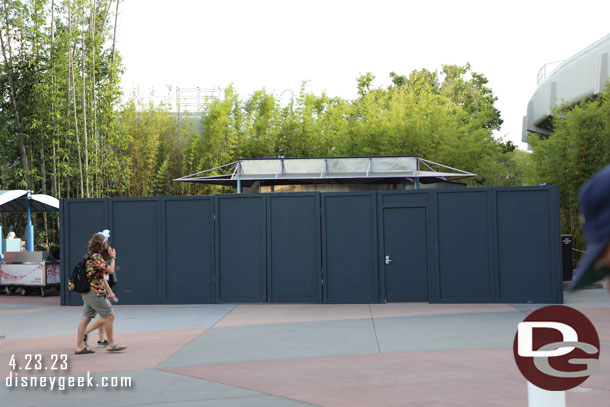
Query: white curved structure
{"points": [[583, 75], [16, 201]]}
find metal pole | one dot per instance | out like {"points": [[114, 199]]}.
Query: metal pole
{"points": [[29, 229], [239, 186], [416, 183], [537, 397]]}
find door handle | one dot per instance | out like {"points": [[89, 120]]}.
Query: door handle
{"points": [[388, 260]]}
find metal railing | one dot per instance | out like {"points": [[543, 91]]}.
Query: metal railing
{"points": [[193, 100], [546, 70]]}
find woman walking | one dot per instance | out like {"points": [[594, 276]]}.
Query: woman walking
{"points": [[96, 300]]}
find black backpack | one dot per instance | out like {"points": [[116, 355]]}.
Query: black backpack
{"points": [[78, 281]]}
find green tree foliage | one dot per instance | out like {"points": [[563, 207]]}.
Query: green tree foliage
{"points": [[59, 85], [579, 147], [161, 146], [445, 116]]}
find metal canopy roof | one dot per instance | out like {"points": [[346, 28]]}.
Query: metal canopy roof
{"points": [[275, 171], [15, 201]]}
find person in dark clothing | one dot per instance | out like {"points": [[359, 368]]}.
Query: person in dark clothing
{"points": [[595, 207]]}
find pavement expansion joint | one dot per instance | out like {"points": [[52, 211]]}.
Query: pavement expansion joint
{"points": [[185, 345], [374, 329], [232, 385], [196, 337]]}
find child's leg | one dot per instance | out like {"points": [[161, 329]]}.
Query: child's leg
{"points": [[102, 333]]}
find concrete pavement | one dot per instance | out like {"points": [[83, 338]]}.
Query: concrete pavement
{"points": [[408, 354]]}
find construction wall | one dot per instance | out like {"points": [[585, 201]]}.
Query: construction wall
{"points": [[460, 245]]}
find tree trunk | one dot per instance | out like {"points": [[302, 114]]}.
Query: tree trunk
{"points": [[54, 190], [71, 62], [68, 119], [116, 18], [83, 67], [94, 103], [55, 185], [43, 174], [9, 74]]}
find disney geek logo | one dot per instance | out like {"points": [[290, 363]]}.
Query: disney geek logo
{"points": [[556, 348]]}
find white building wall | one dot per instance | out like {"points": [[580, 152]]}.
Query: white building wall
{"points": [[580, 76]]}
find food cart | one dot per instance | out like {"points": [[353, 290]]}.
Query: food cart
{"points": [[22, 271]]}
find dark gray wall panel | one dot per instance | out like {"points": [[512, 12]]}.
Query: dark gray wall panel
{"points": [[81, 218], [294, 249], [524, 242], [189, 254], [135, 235], [350, 248], [241, 249], [405, 198], [464, 246]]}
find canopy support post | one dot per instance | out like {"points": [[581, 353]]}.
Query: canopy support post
{"points": [[29, 229]]}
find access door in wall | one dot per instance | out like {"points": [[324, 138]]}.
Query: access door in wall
{"points": [[405, 254]]}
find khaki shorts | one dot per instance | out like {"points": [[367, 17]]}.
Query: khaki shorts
{"points": [[96, 305]]}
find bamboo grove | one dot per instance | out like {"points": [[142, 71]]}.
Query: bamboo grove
{"points": [[445, 116], [60, 88]]}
